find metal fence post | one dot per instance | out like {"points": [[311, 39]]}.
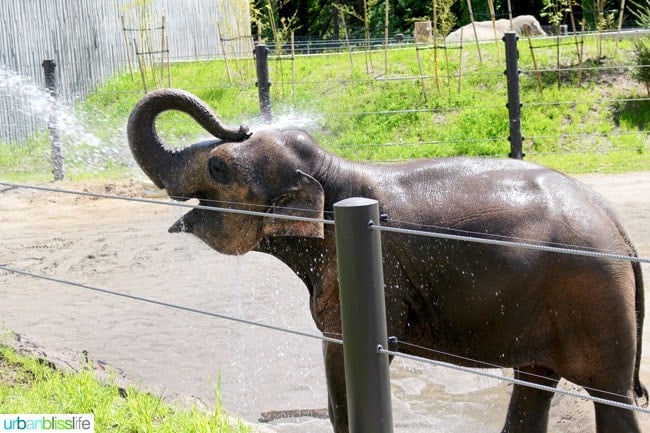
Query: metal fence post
{"points": [[363, 315], [58, 171], [514, 104], [263, 85]]}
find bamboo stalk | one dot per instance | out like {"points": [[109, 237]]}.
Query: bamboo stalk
{"points": [[537, 73], [424, 90], [162, 48], [223, 51], [169, 64], [126, 46], [471, 17], [347, 41], [142, 70], [435, 45], [293, 66], [386, 38], [493, 17], [460, 60], [620, 24]]}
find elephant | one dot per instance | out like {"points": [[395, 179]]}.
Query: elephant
{"points": [[486, 31], [544, 314]]}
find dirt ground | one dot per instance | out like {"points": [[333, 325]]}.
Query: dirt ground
{"points": [[124, 247]]}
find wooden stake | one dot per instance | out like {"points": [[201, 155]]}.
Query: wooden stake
{"points": [[386, 38], [460, 60], [435, 45], [293, 66], [126, 46], [162, 49], [493, 17], [223, 51], [424, 90], [347, 40], [140, 65], [169, 64], [471, 17], [537, 73], [620, 24]]}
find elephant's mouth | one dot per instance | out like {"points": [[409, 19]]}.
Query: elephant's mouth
{"points": [[232, 235], [181, 226]]}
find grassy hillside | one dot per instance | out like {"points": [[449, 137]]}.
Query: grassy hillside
{"points": [[407, 103]]}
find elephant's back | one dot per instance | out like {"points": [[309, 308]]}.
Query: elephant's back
{"points": [[503, 197]]}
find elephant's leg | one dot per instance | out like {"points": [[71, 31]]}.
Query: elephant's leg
{"points": [[335, 372], [610, 419], [529, 407]]}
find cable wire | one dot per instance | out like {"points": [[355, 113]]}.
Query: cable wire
{"points": [[170, 305], [515, 381], [535, 247], [574, 250]]}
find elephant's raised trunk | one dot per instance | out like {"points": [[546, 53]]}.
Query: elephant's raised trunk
{"points": [[166, 168]]}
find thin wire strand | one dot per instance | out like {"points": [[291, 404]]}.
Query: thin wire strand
{"points": [[173, 204], [170, 305], [575, 250], [333, 340], [490, 365], [497, 242], [514, 381]]}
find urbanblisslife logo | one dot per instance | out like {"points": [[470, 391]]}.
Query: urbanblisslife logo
{"points": [[50, 423]]}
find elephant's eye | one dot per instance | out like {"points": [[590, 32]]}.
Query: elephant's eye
{"points": [[218, 170]]}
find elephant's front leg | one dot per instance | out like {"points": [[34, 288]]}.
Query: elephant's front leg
{"points": [[335, 372], [529, 407]]}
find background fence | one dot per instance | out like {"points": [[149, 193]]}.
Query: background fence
{"points": [[446, 73], [91, 40]]}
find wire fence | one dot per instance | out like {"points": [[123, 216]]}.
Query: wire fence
{"points": [[442, 76], [397, 227]]}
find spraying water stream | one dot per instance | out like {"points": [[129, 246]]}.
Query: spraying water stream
{"points": [[27, 110]]}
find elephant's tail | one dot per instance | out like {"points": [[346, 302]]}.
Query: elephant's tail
{"points": [[640, 391]]}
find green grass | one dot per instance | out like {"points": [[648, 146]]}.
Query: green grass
{"points": [[28, 385], [588, 121]]}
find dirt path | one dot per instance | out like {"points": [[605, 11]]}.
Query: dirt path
{"points": [[124, 246]]}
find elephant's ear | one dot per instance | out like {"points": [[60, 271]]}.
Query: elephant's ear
{"points": [[306, 200]]}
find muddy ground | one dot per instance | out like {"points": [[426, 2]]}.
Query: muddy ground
{"points": [[124, 247]]}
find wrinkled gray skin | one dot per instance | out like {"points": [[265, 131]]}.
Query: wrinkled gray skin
{"points": [[523, 25], [545, 315]]}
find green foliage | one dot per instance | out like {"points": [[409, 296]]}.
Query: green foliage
{"points": [[642, 46], [555, 10], [641, 14], [642, 71], [30, 386], [358, 109]]}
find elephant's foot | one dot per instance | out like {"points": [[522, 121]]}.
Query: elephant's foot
{"points": [[529, 407]]}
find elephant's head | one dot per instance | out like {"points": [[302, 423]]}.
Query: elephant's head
{"points": [[265, 172], [528, 25]]}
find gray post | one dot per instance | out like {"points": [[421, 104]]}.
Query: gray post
{"points": [[263, 85], [57, 155], [363, 316], [514, 105]]}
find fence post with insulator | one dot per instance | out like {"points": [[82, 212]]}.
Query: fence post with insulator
{"points": [[263, 84], [49, 70], [514, 104], [363, 316]]}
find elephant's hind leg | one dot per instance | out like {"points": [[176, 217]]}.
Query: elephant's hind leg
{"points": [[611, 419], [529, 407]]}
